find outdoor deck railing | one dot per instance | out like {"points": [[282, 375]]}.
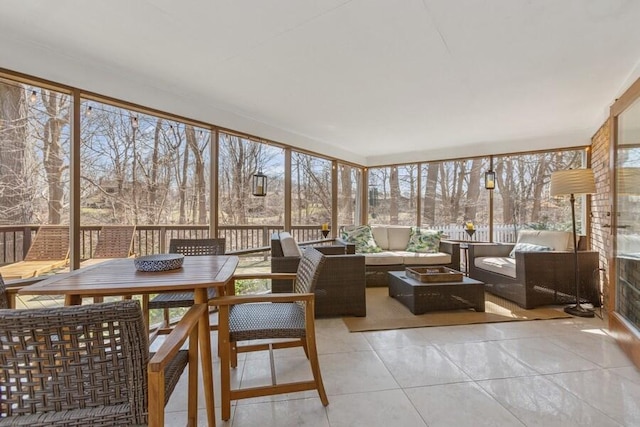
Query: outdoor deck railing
{"points": [[151, 239]]}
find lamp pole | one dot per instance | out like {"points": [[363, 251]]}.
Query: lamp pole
{"points": [[577, 309]]}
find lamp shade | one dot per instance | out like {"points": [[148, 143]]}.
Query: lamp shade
{"points": [[572, 181]]}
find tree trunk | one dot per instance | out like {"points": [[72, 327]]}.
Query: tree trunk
{"points": [[346, 195], [429, 205], [394, 190], [15, 206], [473, 190], [538, 185], [183, 186], [200, 205], [57, 116]]}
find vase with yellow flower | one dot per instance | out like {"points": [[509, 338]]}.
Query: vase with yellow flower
{"points": [[470, 229]]}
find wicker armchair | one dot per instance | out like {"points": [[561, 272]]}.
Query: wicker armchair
{"points": [[275, 317], [90, 365], [186, 247], [341, 287], [542, 278]]}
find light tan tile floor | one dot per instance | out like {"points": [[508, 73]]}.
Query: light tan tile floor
{"points": [[565, 372]]}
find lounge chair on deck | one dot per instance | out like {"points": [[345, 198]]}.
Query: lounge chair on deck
{"points": [[49, 250], [114, 241]]}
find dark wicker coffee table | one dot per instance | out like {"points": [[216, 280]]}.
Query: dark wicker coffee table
{"points": [[422, 297]]}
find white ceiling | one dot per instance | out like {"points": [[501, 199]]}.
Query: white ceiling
{"points": [[370, 81]]}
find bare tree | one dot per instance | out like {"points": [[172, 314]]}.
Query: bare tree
{"points": [[429, 205], [473, 190], [15, 206]]}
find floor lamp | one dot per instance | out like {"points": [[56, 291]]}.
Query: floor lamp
{"points": [[572, 182]]}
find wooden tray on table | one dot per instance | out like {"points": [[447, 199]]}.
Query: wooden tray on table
{"points": [[434, 274]]}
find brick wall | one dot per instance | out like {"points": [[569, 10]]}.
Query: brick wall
{"points": [[601, 238]]}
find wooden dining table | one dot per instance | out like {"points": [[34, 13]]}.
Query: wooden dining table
{"points": [[119, 277]]}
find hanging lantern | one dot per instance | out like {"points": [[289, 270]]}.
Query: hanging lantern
{"points": [[490, 180], [259, 184]]}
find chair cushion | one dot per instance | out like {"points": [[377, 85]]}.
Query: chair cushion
{"points": [[289, 245], [527, 247], [425, 241], [501, 265], [266, 320], [556, 240], [398, 237], [384, 258], [418, 258], [362, 237]]}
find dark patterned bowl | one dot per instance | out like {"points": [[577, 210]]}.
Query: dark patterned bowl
{"points": [[159, 262]]}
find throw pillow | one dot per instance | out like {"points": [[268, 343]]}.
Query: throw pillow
{"points": [[425, 241], [362, 237], [528, 247], [289, 245]]}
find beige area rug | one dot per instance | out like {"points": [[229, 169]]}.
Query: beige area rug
{"points": [[384, 312]]}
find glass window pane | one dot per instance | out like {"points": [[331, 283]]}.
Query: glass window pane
{"points": [[521, 197], [393, 195], [143, 170], [310, 195], [349, 185], [453, 195], [245, 220], [34, 162]]}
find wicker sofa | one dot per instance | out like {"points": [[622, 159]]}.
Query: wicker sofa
{"points": [[340, 290], [534, 278], [392, 241]]}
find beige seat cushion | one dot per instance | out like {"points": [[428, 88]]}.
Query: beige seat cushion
{"points": [[501, 265], [383, 258], [422, 258]]}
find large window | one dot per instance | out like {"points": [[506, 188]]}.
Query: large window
{"points": [[453, 194], [393, 194], [141, 169], [349, 187], [34, 162], [310, 194], [521, 197], [246, 220]]}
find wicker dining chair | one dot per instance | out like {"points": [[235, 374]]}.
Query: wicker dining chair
{"points": [[90, 365], [186, 247], [271, 317]]}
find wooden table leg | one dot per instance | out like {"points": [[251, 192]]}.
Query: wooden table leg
{"points": [[72, 299], [204, 333]]}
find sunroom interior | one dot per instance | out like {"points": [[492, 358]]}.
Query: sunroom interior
{"points": [[168, 117]]}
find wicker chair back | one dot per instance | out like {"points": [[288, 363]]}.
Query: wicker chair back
{"points": [[87, 362], [191, 247]]}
